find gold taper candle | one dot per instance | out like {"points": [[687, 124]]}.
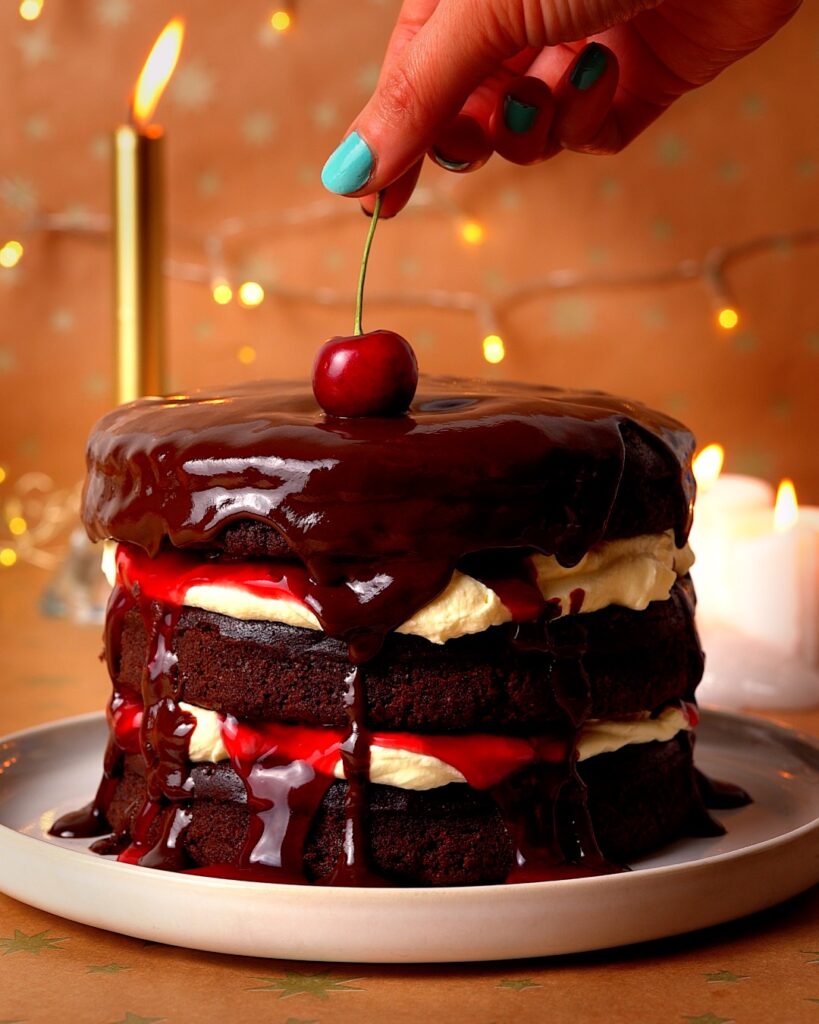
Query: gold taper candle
{"points": [[139, 226], [139, 251]]}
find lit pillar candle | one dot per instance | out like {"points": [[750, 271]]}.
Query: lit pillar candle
{"points": [[723, 500], [773, 566], [139, 228]]}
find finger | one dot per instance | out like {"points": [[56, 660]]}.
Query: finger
{"points": [[585, 120], [462, 146], [419, 93], [481, 106], [521, 121], [397, 195]]}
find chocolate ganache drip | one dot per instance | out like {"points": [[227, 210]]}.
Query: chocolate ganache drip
{"points": [[379, 511]]}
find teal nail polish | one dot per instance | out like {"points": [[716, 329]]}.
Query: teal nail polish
{"points": [[518, 116], [589, 66], [349, 166]]}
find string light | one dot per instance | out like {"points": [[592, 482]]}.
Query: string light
{"points": [[222, 293], [281, 20], [251, 294], [488, 311], [8, 556], [2, 474], [494, 350], [17, 526], [10, 254], [727, 318], [30, 10], [472, 232], [246, 355]]}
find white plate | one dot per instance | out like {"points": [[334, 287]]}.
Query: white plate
{"points": [[771, 852]]}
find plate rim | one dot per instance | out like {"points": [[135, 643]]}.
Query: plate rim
{"points": [[776, 729]]}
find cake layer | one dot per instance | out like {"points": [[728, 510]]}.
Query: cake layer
{"points": [[405, 760], [389, 506], [489, 682], [631, 572], [638, 798]]}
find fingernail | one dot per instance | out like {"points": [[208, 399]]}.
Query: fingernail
{"points": [[518, 116], [349, 166], [589, 66], [449, 165]]}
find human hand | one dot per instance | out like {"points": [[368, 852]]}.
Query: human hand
{"points": [[462, 79]]}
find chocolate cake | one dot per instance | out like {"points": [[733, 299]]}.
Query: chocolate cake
{"points": [[451, 647]]}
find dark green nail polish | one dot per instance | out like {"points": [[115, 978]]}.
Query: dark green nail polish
{"points": [[447, 164], [518, 116], [589, 67]]}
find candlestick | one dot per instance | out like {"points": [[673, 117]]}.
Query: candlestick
{"points": [[139, 229]]}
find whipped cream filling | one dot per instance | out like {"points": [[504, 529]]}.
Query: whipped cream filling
{"points": [[408, 769], [631, 572]]}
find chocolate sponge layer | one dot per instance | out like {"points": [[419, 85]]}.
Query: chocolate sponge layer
{"points": [[639, 798], [635, 661]]}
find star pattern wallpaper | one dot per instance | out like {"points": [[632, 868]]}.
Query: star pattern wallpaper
{"points": [[250, 116]]}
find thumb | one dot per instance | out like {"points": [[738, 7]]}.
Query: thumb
{"points": [[422, 87]]}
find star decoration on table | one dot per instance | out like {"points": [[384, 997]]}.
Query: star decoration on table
{"points": [[134, 1018], [37, 943], [725, 976], [709, 1018], [518, 984], [106, 969], [301, 983]]}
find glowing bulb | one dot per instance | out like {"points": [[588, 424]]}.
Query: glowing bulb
{"points": [[472, 232], [30, 10], [246, 355], [494, 350], [10, 254], [728, 318], [786, 509], [17, 525], [251, 293], [222, 293], [281, 20], [2, 474], [707, 466], [8, 556]]}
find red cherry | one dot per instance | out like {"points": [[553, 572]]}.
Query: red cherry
{"points": [[373, 374]]}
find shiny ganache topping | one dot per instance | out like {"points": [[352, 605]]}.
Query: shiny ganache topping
{"points": [[381, 510]]}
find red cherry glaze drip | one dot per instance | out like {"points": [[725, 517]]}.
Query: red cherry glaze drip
{"points": [[484, 759]]}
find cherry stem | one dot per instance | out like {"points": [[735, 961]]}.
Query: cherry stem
{"points": [[362, 274]]}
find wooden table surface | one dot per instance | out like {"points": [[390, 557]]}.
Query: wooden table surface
{"points": [[759, 970]]}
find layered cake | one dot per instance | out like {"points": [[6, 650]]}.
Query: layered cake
{"points": [[450, 647]]}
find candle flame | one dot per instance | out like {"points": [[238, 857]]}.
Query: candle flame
{"points": [[157, 70], [707, 466], [786, 509]]}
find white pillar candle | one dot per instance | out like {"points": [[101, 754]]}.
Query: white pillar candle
{"points": [[718, 508], [772, 583]]}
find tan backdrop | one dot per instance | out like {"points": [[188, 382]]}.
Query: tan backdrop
{"points": [[252, 114]]}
